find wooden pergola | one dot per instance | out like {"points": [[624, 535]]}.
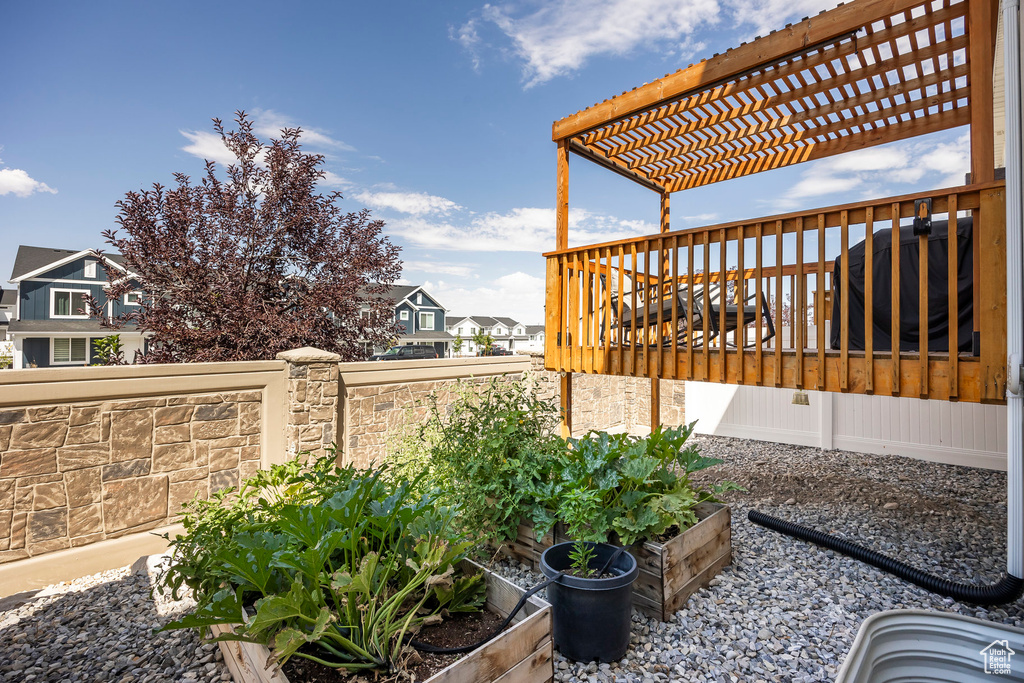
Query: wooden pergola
{"points": [[866, 73]]}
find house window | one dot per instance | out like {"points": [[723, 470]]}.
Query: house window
{"points": [[519, 330], [365, 315], [404, 315], [426, 321], [133, 299], [419, 298], [90, 269], [460, 330], [70, 350], [68, 303], [472, 330]]}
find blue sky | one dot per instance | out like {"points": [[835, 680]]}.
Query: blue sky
{"points": [[437, 116]]}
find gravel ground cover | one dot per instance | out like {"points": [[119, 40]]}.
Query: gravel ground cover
{"points": [[783, 611], [789, 611], [99, 628]]}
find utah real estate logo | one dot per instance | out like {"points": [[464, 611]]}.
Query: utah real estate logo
{"points": [[997, 658]]}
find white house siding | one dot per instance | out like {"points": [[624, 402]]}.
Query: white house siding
{"points": [[955, 433]]}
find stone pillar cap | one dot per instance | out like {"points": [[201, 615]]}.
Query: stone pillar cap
{"points": [[308, 354]]}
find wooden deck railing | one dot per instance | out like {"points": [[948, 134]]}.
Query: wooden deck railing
{"points": [[751, 302]]}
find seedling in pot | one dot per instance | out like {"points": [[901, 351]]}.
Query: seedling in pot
{"points": [[582, 554]]}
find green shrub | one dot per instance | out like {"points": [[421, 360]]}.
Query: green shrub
{"points": [[485, 449], [340, 562], [632, 488]]}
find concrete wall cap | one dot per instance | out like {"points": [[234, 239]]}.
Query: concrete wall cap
{"points": [[307, 354]]}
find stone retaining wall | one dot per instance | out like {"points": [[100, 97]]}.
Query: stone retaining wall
{"points": [[611, 402], [78, 473]]}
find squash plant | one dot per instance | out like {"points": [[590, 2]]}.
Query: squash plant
{"points": [[333, 564], [616, 484]]}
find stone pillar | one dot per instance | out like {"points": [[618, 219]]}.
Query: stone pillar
{"points": [[313, 407]]}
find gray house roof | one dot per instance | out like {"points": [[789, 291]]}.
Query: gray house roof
{"points": [[8, 297], [534, 329], [34, 258]]}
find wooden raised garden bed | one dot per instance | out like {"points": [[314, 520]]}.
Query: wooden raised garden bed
{"points": [[669, 572], [521, 654]]}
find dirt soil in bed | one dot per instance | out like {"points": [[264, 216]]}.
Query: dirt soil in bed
{"points": [[456, 631]]}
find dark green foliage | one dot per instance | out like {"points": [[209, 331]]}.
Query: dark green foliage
{"points": [[634, 488], [347, 560], [486, 449]]}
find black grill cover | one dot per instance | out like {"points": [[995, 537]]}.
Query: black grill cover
{"points": [[938, 291]]}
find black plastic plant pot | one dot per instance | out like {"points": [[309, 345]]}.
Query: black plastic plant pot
{"points": [[591, 616]]}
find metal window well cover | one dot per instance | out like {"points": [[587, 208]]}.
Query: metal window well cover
{"points": [[900, 646]]}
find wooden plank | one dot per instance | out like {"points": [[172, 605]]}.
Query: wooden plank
{"points": [[576, 343], [990, 223], [666, 223], [655, 403], [562, 197], [922, 311], [613, 165], [700, 534], [705, 341], [537, 668], [778, 303], [844, 303], [774, 47], [607, 337], [654, 367], [646, 332], [819, 305], [798, 306], [740, 290], [675, 602], [565, 351], [552, 312], [723, 299], [694, 563], [587, 313], [618, 314], [869, 300], [635, 337], [689, 308], [759, 318], [980, 56], [565, 403], [894, 329], [953, 283], [674, 338]]}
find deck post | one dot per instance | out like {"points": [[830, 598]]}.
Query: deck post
{"points": [[665, 221], [655, 403], [981, 32], [562, 242]]}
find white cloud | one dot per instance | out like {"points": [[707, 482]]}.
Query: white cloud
{"points": [[335, 181], [928, 162], [268, 123], [208, 146], [558, 39], [414, 203], [439, 268], [18, 182], [516, 295], [521, 229]]}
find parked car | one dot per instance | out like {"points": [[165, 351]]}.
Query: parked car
{"points": [[415, 351], [496, 351]]}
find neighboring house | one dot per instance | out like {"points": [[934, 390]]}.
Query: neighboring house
{"points": [[507, 333], [421, 318], [8, 308], [534, 341], [51, 326]]}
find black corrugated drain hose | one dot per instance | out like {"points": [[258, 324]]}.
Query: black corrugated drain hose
{"points": [[1007, 589]]}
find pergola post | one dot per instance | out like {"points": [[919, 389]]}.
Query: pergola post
{"points": [[981, 33], [665, 222], [562, 242]]}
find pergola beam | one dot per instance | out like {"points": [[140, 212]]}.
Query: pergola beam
{"points": [[613, 165]]}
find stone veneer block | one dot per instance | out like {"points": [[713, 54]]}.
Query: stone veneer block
{"points": [[172, 434], [87, 433], [132, 502], [83, 415], [7, 494], [249, 418], [223, 459], [219, 411], [190, 474], [175, 456], [173, 415], [131, 434], [223, 480], [48, 496], [126, 469], [84, 521], [214, 429], [5, 437], [81, 456], [39, 435], [10, 417], [83, 487], [48, 413], [46, 525], [183, 492], [24, 463]]}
